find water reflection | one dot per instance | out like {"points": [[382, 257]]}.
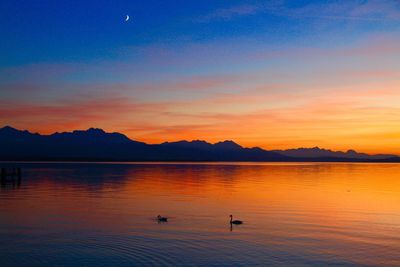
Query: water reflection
{"points": [[104, 214], [10, 178], [13, 183]]}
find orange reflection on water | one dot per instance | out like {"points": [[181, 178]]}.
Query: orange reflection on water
{"points": [[345, 211]]}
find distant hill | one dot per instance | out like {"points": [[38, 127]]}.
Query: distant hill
{"points": [[97, 145], [317, 152]]}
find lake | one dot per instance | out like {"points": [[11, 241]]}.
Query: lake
{"points": [[295, 214]]}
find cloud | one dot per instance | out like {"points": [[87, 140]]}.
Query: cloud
{"points": [[351, 10], [76, 112], [268, 119], [228, 13], [384, 9], [197, 67]]}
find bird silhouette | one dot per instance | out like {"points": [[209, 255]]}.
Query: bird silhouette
{"points": [[235, 221], [162, 219]]}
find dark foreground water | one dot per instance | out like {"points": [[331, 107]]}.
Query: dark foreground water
{"points": [[294, 215]]}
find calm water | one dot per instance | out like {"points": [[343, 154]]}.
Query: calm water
{"points": [[294, 215]]}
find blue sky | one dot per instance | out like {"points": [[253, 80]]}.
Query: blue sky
{"points": [[37, 31], [194, 69]]}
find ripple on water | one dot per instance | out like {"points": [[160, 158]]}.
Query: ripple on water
{"points": [[294, 215]]}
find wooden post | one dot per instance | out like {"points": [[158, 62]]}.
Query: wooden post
{"points": [[3, 177], [12, 175], [18, 177]]}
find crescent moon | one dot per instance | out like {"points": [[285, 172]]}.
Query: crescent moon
{"points": [[127, 18]]}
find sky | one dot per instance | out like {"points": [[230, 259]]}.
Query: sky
{"points": [[274, 74]]}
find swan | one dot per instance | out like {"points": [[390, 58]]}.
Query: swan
{"points": [[235, 221], [162, 219]]}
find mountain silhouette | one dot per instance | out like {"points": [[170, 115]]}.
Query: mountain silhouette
{"points": [[317, 152], [97, 145]]}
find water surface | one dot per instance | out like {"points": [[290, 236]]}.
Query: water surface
{"points": [[294, 215]]}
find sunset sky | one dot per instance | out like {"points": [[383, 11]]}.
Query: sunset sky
{"points": [[274, 74]]}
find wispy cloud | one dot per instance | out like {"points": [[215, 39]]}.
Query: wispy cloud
{"points": [[229, 13], [76, 112], [369, 10], [352, 10]]}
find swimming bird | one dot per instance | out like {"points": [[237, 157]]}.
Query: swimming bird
{"points": [[235, 221], [162, 219]]}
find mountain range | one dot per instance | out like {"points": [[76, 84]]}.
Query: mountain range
{"points": [[97, 145]]}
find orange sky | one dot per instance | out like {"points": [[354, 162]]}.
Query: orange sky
{"points": [[336, 89]]}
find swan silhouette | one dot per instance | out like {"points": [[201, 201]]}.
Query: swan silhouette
{"points": [[162, 219], [235, 221]]}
